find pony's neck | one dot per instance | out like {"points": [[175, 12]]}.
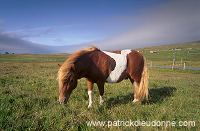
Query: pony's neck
{"points": [[82, 67]]}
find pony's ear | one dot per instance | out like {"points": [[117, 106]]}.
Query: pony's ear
{"points": [[72, 72], [71, 78], [72, 67]]}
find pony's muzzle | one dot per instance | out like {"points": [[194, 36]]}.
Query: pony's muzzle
{"points": [[64, 101]]}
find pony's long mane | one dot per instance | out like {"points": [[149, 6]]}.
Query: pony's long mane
{"points": [[65, 71]]}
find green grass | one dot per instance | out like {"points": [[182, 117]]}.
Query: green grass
{"points": [[29, 94]]}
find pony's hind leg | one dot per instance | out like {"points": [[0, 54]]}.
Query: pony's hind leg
{"points": [[136, 90], [90, 85]]}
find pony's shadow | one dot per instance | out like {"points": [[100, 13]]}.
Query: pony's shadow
{"points": [[157, 95]]}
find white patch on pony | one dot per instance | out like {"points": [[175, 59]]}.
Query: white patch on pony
{"points": [[91, 100], [101, 99], [121, 64], [136, 100]]}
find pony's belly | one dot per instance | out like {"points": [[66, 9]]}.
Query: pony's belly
{"points": [[121, 78], [121, 65]]}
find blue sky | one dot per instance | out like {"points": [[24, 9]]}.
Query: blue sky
{"points": [[106, 23]]}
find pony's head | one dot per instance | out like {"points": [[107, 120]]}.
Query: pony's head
{"points": [[67, 83], [67, 76]]}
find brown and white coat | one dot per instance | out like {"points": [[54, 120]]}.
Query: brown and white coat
{"points": [[103, 66]]}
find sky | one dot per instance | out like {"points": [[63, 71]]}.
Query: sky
{"points": [[59, 26]]}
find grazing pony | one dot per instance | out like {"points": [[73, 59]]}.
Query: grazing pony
{"points": [[103, 66]]}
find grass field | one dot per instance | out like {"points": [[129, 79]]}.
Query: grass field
{"points": [[29, 94], [189, 53]]}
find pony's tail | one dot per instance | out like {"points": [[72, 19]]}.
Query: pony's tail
{"points": [[142, 91]]}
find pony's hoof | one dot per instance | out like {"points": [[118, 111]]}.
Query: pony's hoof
{"points": [[89, 106], [137, 101], [101, 102]]}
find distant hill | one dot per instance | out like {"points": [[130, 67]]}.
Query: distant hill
{"points": [[183, 46], [188, 53]]}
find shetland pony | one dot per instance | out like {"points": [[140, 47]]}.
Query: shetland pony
{"points": [[100, 67]]}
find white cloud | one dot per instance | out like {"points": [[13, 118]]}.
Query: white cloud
{"points": [[173, 22], [12, 43]]}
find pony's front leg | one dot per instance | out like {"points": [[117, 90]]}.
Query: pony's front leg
{"points": [[102, 99], [91, 99], [90, 85], [101, 91]]}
